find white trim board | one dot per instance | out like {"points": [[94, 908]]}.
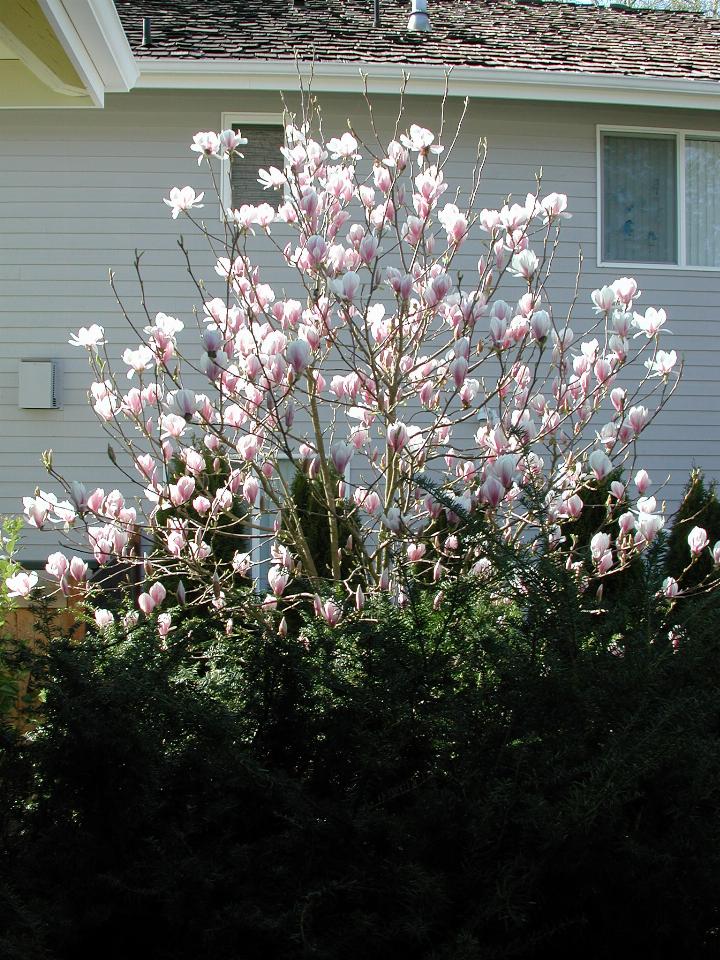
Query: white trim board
{"points": [[430, 80]]}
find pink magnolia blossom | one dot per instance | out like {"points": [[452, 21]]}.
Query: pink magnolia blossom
{"points": [[250, 489], [626, 522], [278, 579], [697, 541], [638, 418], [397, 436], [416, 551], [525, 264], [21, 584], [228, 142], [183, 199], [344, 147], [182, 491], [241, 563], [359, 598], [90, 337], [248, 447], [554, 207], [651, 322], [78, 570], [604, 299], [626, 289], [600, 464], [57, 565], [37, 509], [272, 179], [649, 525], [298, 355], [617, 398], [454, 222], [599, 545], [540, 325], [420, 141], [663, 363], [206, 145], [104, 618], [146, 603], [642, 481], [574, 506], [492, 491], [138, 360], [341, 454], [670, 588], [331, 612]]}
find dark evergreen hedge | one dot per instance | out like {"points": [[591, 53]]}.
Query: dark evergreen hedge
{"points": [[449, 785]]}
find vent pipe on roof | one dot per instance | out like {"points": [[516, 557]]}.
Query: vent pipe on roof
{"points": [[376, 13], [419, 20], [146, 32]]}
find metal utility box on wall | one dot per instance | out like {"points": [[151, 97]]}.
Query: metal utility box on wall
{"points": [[37, 385]]}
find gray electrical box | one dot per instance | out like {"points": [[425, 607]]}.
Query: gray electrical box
{"points": [[37, 385]]}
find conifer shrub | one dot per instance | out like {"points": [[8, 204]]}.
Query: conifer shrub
{"points": [[458, 782], [699, 508]]}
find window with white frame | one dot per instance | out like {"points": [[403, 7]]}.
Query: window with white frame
{"points": [[265, 138], [659, 197]]}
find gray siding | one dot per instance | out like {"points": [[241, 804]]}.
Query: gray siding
{"points": [[80, 191]]}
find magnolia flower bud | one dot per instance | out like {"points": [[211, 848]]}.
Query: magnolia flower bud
{"points": [[697, 541], [397, 436]]}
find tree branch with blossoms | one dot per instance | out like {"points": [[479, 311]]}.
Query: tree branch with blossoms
{"points": [[423, 405]]}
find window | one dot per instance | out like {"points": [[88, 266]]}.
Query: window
{"points": [[265, 136], [264, 517], [660, 198]]}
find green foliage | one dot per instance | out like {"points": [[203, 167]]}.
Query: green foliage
{"points": [[10, 528], [309, 500], [438, 784], [700, 508]]}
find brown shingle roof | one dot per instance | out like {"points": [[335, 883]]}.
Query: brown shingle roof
{"points": [[511, 34]]}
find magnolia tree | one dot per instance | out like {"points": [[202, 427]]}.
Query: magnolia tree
{"points": [[436, 415]]}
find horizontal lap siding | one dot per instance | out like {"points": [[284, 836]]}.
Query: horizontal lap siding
{"points": [[81, 191]]}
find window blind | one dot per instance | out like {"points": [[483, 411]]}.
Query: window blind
{"points": [[260, 152]]}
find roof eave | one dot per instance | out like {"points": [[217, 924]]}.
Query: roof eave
{"points": [[463, 81], [93, 37]]}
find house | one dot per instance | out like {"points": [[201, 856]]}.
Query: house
{"points": [[619, 107]]}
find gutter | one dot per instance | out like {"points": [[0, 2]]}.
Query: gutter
{"points": [[474, 82]]}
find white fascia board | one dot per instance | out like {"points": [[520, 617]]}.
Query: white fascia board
{"points": [[64, 29], [99, 27], [93, 38], [430, 80]]}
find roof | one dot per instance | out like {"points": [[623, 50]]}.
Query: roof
{"points": [[499, 34]]}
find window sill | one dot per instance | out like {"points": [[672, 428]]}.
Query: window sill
{"points": [[626, 266]]}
